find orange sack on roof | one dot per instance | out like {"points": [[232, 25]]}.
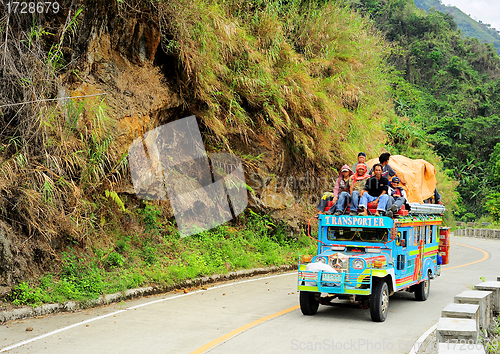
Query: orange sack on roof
{"points": [[419, 175]]}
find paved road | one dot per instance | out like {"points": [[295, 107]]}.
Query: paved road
{"points": [[256, 316]]}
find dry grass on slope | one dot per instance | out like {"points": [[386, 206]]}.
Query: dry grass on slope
{"points": [[307, 74]]}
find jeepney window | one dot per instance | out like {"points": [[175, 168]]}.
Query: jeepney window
{"points": [[429, 234], [337, 233], [416, 240]]}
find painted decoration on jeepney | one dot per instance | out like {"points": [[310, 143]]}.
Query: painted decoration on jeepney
{"points": [[362, 221]]}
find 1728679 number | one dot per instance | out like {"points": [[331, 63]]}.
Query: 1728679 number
{"points": [[33, 7]]}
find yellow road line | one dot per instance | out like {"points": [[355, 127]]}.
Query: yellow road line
{"points": [[242, 329], [485, 257]]}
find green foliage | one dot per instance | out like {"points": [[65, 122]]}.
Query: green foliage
{"points": [[495, 164], [166, 258], [296, 71], [446, 85], [493, 206], [115, 259], [115, 198], [150, 215], [468, 26], [80, 277], [23, 294], [468, 217]]}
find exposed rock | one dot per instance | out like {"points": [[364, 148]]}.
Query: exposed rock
{"points": [[274, 199], [6, 258]]}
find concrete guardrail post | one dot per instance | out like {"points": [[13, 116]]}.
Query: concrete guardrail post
{"points": [[494, 287], [482, 298]]}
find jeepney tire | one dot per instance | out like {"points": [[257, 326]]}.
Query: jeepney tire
{"points": [[309, 303], [423, 289], [379, 301]]}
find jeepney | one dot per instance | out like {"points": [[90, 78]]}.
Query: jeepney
{"points": [[365, 259]]}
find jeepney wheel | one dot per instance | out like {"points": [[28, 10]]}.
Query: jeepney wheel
{"points": [[379, 301], [309, 302], [422, 289]]}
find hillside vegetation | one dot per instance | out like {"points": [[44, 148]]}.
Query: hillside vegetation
{"points": [[448, 87], [468, 26]]}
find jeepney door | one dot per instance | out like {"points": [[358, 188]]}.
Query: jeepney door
{"points": [[402, 240]]}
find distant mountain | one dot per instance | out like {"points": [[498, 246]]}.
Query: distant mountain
{"points": [[469, 27]]}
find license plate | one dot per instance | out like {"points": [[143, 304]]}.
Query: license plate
{"points": [[333, 277]]}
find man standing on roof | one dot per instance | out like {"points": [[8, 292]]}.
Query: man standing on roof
{"points": [[387, 171], [361, 159], [375, 191], [341, 193], [358, 182]]}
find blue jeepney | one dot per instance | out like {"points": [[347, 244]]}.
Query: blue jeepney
{"points": [[365, 259]]}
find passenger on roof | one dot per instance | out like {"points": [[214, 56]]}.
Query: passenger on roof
{"points": [[397, 197], [387, 171], [340, 195], [375, 191], [435, 199], [361, 159], [358, 182]]}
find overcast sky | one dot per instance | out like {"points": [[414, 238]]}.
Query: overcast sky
{"points": [[487, 11]]}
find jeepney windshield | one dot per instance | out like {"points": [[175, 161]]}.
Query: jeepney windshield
{"points": [[339, 233]]}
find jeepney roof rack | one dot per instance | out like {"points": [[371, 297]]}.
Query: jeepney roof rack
{"points": [[433, 209]]}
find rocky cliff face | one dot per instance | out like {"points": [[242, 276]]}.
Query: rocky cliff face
{"points": [[123, 58]]}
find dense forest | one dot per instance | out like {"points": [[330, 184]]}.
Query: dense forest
{"points": [[449, 87], [469, 27]]}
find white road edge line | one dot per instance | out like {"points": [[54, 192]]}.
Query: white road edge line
{"points": [[59, 330], [416, 346], [133, 308]]}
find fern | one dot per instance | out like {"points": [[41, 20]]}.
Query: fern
{"points": [[116, 198]]}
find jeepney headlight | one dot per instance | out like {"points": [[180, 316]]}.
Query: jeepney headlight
{"points": [[320, 260], [358, 264]]}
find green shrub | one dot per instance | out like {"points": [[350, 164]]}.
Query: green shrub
{"points": [[493, 205], [115, 260], [23, 294]]}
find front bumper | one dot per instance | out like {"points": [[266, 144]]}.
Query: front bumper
{"points": [[334, 283]]}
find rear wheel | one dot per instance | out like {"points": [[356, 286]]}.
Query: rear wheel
{"points": [[379, 301], [423, 289], [309, 302]]}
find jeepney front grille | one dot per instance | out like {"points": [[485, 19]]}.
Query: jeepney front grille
{"points": [[340, 264]]}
